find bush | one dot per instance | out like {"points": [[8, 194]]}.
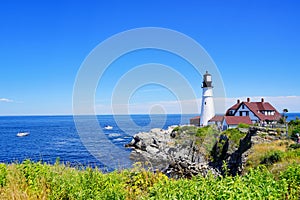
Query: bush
{"points": [[294, 122], [278, 131], [219, 150], [207, 137], [234, 135], [189, 129], [206, 131], [272, 157], [294, 146], [257, 184], [294, 134], [62, 182], [3, 174], [292, 177], [185, 129], [242, 125], [176, 129]]}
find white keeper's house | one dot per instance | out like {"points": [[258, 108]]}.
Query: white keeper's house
{"points": [[259, 112]]}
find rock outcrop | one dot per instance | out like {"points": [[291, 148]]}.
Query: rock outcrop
{"points": [[179, 156], [184, 168], [164, 152]]}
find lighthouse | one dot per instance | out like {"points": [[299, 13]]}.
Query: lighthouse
{"points": [[207, 108]]}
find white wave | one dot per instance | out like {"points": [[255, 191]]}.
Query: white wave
{"points": [[114, 135], [118, 139]]}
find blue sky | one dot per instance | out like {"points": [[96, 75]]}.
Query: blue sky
{"points": [[255, 45]]}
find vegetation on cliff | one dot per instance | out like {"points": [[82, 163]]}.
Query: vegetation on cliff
{"points": [[294, 128]]}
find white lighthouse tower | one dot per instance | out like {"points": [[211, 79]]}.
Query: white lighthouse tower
{"points": [[207, 108]]}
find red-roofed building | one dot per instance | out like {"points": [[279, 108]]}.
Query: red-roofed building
{"points": [[216, 120], [234, 121], [259, 112], [195, 121]]}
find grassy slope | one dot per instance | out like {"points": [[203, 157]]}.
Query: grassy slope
{"points": [[30, 180], [276, 155]]}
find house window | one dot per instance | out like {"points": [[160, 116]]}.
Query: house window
{"points": [[243, 106]]}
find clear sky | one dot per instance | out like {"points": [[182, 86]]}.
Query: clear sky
{"points": [[255, 45]]}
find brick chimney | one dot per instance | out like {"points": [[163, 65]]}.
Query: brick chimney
{"points": [[238, 101], [262, 100], [248, 99]]}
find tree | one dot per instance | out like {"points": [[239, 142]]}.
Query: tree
{"points": [[284, 117]]}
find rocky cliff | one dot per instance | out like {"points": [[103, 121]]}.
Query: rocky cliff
{"points": [[183, 155]]}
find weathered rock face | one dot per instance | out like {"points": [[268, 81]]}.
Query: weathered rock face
{"points": [[234, 157], [162, 150], [183, 168], [181, 158]]}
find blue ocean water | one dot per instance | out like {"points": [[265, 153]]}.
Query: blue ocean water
{"points": [[53, 137], [292, 116]]}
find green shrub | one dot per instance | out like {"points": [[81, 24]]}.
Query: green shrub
{"points": [[294, 134], [189, 129], [3, 174], [219, 150], [272, 157], [294, 122], [242, 125], [185, 129], [292, 178], [206, 131], [278, 131], [206, 137], [176, 129], [234, 135], [294, 146], [62, 182], [257, 184]]}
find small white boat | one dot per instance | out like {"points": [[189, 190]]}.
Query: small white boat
{"points": [[108, 127], [22, 134]]}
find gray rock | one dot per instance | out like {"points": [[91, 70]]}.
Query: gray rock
{"points": [[175, 158]]}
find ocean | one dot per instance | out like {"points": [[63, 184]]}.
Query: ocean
{"points": [[53, 137]]}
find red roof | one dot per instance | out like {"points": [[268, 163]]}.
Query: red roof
{"points": [[234, 120], [217, 118], [256, 108], [234, 107], [197, 117]]}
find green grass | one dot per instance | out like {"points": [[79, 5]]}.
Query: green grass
{"points": [[234, 135], [204, 137], [29, 180], [277, 156], [242, 125]]}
